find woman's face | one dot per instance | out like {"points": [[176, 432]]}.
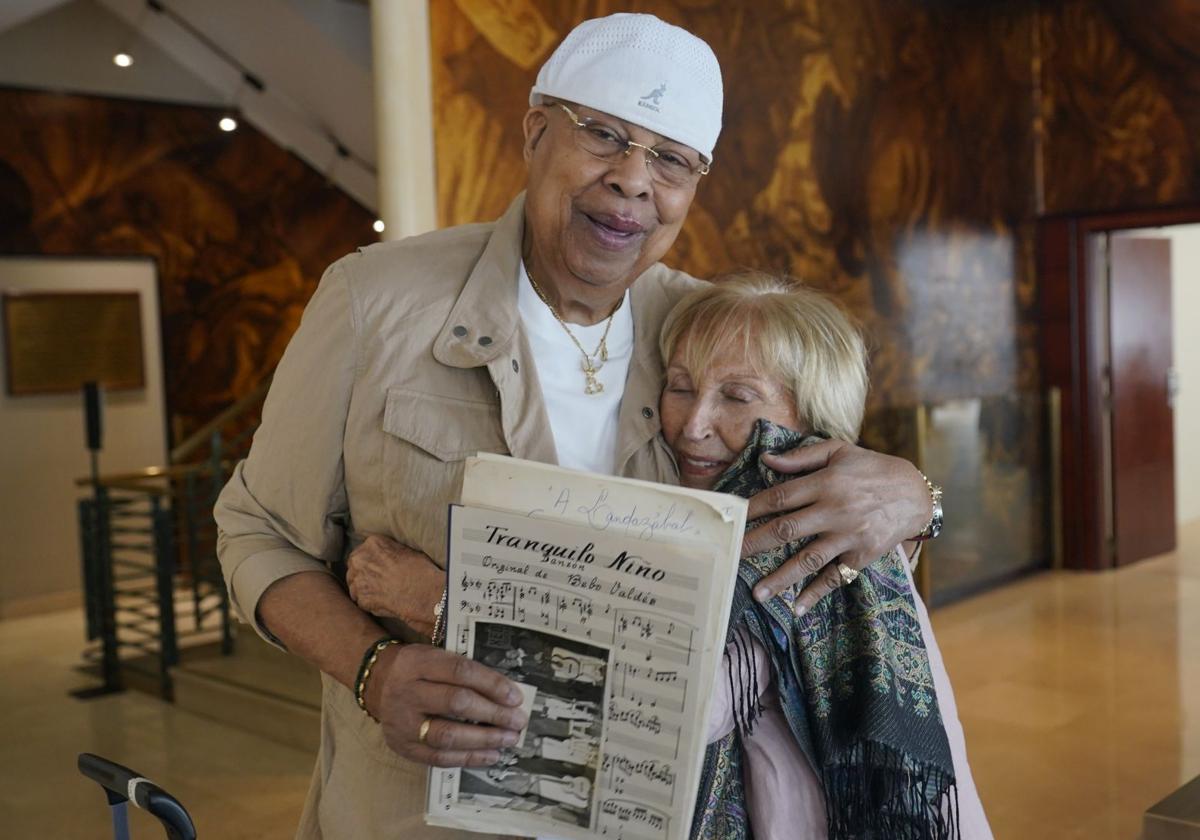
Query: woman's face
{"points": [[707, 415]]}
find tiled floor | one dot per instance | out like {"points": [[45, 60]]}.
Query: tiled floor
{"points": [[1080, 694], [236, 785]]}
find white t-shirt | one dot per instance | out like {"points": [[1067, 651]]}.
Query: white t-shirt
{"points": [[584, 425]]}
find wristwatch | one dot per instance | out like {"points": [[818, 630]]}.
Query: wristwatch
{"points": [[933, 528]]}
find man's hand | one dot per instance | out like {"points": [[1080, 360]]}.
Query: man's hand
{"points": [[408, 683], [391, 580], [412, 683], [860, 504]]}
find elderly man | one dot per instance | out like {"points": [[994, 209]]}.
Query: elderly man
{"points": [[535, 335]]}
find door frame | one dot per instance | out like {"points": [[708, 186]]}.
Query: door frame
{"points": [[1073, 326]]}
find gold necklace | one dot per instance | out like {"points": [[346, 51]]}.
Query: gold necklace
{"points": [[592, 362]]}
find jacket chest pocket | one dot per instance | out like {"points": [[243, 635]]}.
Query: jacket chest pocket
{"points": [[427, 439]]}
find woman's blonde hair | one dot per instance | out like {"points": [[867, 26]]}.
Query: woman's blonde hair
{"points": [[789, 332]]}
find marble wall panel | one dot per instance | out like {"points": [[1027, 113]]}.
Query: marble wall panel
{"points": [[884, 150], [1120, 101], [895, 152], [880, 149], [241, 230]]}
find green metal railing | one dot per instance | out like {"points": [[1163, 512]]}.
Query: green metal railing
{"points": [[151, 580]]}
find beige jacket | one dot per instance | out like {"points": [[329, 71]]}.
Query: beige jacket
{"points": [[409, 358]]}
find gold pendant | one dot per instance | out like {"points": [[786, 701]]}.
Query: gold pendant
{"points": [[594, 385]]}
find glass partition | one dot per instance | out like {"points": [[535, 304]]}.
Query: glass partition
{"points": [[992, 457]]}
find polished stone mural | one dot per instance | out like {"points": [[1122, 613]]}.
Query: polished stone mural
{"points": [[897, 153], [240, 229]]}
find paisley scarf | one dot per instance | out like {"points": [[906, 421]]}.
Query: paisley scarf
{"points": [[854, 680]]}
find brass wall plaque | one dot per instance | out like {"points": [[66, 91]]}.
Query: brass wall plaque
{"points": [[56, 341]]}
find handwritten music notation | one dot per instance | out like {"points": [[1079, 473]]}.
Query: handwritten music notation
{"points": [[629, 592]]}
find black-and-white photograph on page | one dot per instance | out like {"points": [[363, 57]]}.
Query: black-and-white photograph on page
{"points": [[552, 771]]}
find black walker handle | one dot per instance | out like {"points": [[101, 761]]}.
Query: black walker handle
{"points": [[122, 784]]}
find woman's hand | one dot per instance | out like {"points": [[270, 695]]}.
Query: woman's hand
{"points": [[392, 580], [860, 504]]}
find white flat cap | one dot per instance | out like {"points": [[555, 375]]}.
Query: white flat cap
{"points": [[642, 70]]}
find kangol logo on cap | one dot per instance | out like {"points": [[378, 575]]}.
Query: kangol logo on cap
{"points": [[651, 100]]}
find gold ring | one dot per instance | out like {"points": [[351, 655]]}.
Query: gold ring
{"points": [[848, 575], [423, 732]]}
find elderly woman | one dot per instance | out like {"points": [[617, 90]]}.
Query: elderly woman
{"points": [[840, 721]]}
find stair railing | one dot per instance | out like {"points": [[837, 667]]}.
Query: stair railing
{"points": [[151, 579]]}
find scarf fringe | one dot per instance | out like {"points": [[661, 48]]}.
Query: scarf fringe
{"points": [[873, 792], [744, 686]]}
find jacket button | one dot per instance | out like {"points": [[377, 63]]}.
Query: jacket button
{"points": [[485, 340], [516, 367], [459, 331], [647, 412]]}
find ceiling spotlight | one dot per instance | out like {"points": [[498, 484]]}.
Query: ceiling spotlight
{"points": [[228, 123], [123, 59], [379, 226]]}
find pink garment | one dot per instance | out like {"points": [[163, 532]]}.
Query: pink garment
{"points": [[784, 795]]}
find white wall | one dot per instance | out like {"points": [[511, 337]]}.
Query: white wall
{"points": [[1185, 308], [42, 447]]}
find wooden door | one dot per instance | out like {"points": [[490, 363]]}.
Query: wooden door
{"points": [[1143, 436]]}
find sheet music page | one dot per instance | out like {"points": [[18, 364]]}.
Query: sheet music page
{"points": [[606, 599]]}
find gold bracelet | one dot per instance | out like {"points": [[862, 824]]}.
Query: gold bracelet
{"points": [[364, 671]]}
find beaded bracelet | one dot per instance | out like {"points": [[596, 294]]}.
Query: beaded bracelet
{"points": [[364, 670], [933, 528], [439, 620]]}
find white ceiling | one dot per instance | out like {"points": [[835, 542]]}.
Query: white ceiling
{"points": [[313, 57], [14, 12]]}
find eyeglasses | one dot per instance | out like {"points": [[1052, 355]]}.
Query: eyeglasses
{"points": [[667, 166]]}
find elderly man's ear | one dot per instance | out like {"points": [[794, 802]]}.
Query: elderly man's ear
{"points": [[535, 124]]}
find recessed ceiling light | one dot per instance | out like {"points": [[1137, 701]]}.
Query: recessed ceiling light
{"points": [[228, 123], [122, 59], [379, 226]]}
